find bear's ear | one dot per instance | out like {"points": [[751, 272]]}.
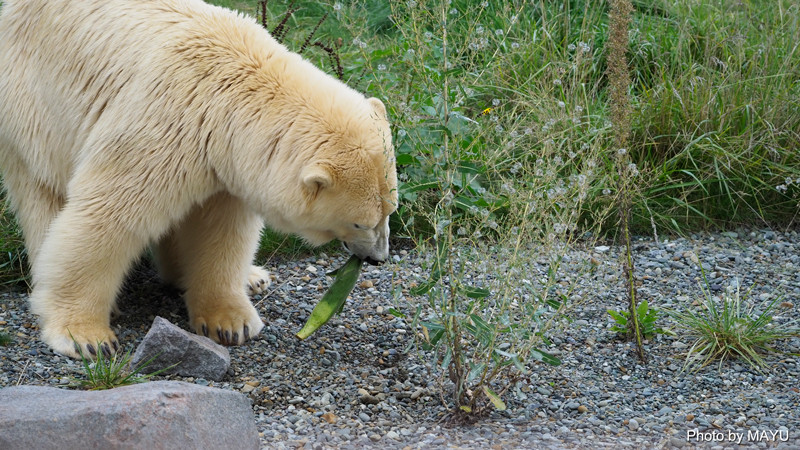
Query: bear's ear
{"points": [[316, 176], [378, 106]]}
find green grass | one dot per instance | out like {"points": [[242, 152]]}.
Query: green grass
{"points": [[5, 339], [109, 372], [715, 93], [725, 329], [13, 260]]}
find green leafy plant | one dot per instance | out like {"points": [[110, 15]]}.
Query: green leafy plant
{"points": [[5, 339], [494, 217], [480, 342], [647, 318], [108, 372], [724, 329]]}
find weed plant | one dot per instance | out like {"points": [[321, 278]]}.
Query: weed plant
{"points": [[484, 199], [5, 339], [109, 372], [13, 260], [646, 316], [726, 329]]}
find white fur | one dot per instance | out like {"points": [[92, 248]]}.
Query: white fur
{"points": [[179, 124]]}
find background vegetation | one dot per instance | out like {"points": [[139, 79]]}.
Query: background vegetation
{"points": [[505, 142], [716, 103]]}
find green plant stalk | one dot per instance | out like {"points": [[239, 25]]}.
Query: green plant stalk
{"points": [[619, 76], [457, 370], [334, 298], [631, 282]]}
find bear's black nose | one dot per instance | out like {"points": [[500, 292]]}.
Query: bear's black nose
{"points": [[373, 262]]}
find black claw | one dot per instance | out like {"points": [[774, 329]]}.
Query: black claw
{"points": [[115, 344], [235, 337], [227, 337], [219, 335], [204, 329], [77, 348], [91, 349], [246, 332], [106, 350]]}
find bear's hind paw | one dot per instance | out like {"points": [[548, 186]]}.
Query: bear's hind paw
{"points": [[258, 281]]}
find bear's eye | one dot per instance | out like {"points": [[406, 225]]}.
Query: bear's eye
{"points": [[359, 227]]}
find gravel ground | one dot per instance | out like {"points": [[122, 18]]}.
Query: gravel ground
{"points": [[353, 385]]}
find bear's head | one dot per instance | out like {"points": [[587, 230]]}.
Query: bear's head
{"points": [[350, 186], [326, 170]]}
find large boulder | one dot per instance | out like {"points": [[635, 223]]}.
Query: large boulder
{"points": [[161, 414]]}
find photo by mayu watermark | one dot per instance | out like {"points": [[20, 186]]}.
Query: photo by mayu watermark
{"points": [[737, 437]]}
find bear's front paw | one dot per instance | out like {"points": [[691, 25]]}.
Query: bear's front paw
{"points": [[227, 324], [80, 340], [258, 280]]}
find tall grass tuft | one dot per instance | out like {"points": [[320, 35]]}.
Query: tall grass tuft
{"points": [[103, 371], [725, 329]]}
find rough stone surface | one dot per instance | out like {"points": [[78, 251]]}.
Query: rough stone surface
{"points": [[161, 414], [195, 356]]}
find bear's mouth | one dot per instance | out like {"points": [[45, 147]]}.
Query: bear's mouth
{"points": [[373, 262], [369, 259]]}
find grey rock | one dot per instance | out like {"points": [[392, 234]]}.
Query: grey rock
{"points": [[162, 414], [193, 355], [368, 399]]}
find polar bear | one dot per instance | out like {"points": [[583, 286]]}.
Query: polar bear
{"points": [[181, 126]]}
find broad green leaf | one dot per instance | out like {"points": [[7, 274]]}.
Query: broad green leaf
{"points": [[475, 292], [415, 186], [553, 303], [641, 310], [545, 357], [396, 313], [448, 356], [619, 318], [404, 159], [423, 288], [475, 371], [494, 398]]}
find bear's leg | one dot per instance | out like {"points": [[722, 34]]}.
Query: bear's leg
{"points": [[35, 204], [89, 247], [168, 259], [84, 259], [216, 243]]}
